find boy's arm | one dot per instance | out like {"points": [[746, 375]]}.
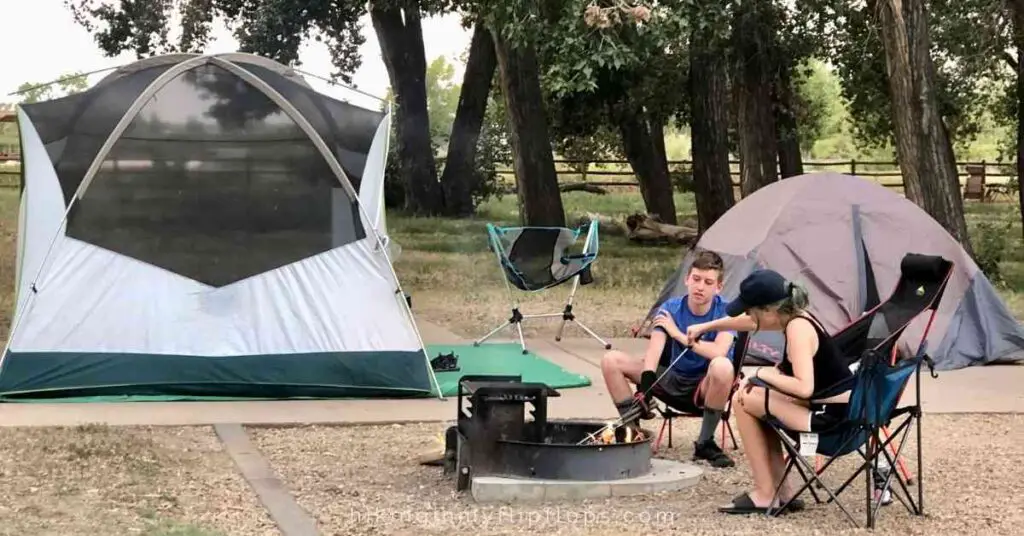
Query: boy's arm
{"points": [[727, 323], [654, 349]]}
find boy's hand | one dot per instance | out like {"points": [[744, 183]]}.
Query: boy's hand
{"points": [[664, 321], [643, 393]]}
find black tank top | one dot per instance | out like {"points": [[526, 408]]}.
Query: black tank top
{"points": [[830, 366]]}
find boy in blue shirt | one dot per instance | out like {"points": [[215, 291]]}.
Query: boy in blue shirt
{"points": [[698, 381]]}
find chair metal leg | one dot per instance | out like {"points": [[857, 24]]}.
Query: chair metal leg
{"points": [[517, 319], [607, 345], [569, 316], [728, 427], [522, 342]]}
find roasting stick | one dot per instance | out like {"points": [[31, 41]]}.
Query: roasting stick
{"points": [[635, 409]]}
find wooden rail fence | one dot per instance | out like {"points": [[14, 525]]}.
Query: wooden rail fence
{"points": [[886, 173], [997, 177]]}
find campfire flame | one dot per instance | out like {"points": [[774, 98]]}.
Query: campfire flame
{"points": [[607, 436]]}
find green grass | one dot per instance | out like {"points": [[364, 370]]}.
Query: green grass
{"points": [[454, 279], [173, 528]]}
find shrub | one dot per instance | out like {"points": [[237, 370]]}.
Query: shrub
{"points": [[991, 241]]}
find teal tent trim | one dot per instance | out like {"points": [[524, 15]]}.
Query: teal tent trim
{"points": [[381, 374]]}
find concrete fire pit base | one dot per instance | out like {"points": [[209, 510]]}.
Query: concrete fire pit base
{"points": [[665, 475]]}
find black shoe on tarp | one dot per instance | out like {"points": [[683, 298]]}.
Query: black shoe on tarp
{"points": [[445, 362]]}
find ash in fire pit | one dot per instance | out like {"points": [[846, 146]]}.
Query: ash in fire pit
{"points": [[494, 438]]}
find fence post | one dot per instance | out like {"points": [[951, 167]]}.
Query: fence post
{"points": [[853, 166]]}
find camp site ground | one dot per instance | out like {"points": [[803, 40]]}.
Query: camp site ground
{"points": [[159, 330]]}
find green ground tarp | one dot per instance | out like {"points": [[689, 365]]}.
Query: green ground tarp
{"points": [[502, 359], [487, 359]]}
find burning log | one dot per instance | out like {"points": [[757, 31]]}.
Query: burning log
{"points": [[610, 435]]}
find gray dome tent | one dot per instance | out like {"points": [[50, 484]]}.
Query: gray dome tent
{"points": [[207, 225], [843, 237]]}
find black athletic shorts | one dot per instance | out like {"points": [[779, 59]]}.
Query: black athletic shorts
{"points": [[681, 393], [824, 417]]}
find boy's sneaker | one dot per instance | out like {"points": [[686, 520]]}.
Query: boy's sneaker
{"points": [[712, 453], [881, 490]]}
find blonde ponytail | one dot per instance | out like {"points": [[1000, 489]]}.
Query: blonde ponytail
{"points": [[796, 301]]}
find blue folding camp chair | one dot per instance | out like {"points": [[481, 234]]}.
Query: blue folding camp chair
{"points": [[534, 259], [876, 388]]}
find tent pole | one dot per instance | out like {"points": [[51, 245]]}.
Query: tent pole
{"points": [[21, 312], [97, 161]]}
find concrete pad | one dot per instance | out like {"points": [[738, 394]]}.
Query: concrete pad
{"points": [[665, 475], [592, 351], [432, 333], [256, 412], [987, 389], [290, 518]]}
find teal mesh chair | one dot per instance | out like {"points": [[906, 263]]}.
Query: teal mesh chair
{"points": [[536, 259]]}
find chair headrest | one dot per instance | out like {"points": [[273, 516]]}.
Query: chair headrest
{"points": [[923, 268]]}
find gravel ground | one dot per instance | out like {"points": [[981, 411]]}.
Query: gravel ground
{"points": [[97, 480], [367, 480]]}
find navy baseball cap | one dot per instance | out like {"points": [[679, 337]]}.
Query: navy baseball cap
{"points": [[760, 288]]}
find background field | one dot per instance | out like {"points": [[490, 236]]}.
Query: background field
{"points": [[454, 279]]}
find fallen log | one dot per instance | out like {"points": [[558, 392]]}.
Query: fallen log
{"points": [[582, 187], [606, 225], [644, 229]]}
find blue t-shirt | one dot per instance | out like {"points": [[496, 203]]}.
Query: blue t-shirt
{"points": [[692, 364]]}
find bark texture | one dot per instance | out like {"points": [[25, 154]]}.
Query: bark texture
{"points": [[457, 177], [400, 34], [646, 155], [791, 161], [923, 146], [754, 80], [539, 198], [709, 125], [1017, 12]]}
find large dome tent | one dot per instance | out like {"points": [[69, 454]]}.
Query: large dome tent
{"points": [[207, 225]]}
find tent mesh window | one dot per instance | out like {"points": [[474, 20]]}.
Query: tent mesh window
{"points": [[74, 128], [212, 180], [347, 129]]}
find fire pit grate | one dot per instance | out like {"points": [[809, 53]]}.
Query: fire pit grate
{"points": [[494, 437]]}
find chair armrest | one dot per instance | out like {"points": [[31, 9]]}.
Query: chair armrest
{"points": [[566, 259]]}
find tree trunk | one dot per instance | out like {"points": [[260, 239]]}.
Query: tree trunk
{"points": [[401, 42], [1017, 9], [709, 126], [791, 161], [456, 180], [923, 147], [758, 147], [641, 148], [539, 198]]}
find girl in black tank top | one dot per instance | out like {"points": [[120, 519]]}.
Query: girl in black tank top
{"points": [[768, 302], [830, 366]]}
